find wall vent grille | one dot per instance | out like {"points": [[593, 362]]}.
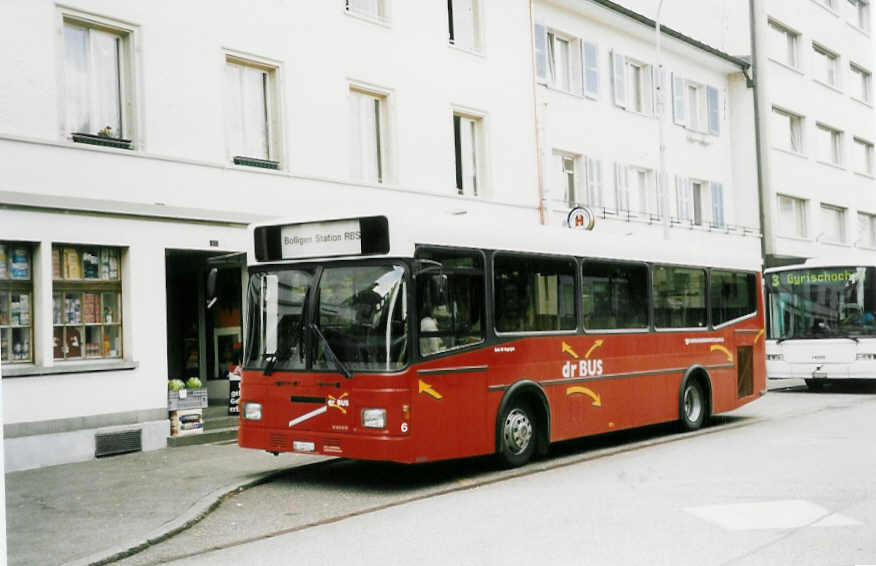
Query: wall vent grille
{"points": [[112, 443]]}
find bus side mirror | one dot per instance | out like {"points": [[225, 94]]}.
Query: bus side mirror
{"points": [[211, 287]]}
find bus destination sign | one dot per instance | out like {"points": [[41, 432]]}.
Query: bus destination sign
{"points": [[321, 239], [831, 276]]}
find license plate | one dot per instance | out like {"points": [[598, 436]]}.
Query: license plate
{"points": [[299, 446]]}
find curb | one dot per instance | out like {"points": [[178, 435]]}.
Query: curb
{"points": [[200, 509]]}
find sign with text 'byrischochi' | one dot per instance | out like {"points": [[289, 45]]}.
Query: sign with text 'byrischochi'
{"points": [[321, 239]]}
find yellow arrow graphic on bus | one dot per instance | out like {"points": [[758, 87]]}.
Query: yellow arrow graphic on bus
{"points": [[595, 345], [427, 389], [759, 334], [719, 348], [597, 401], [568, 350]]}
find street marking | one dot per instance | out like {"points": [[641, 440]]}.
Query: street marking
{"points": [[568, 350], [308, 416], [784, 514], [427, 389], [595, 345], [597, 401], [716, 347]]}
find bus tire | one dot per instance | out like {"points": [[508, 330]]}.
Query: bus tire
{"points": [[814, 384], [518, 434], [692, 405]]}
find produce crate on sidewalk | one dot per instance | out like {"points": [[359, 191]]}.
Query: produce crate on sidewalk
{"points": [[187, 399]]}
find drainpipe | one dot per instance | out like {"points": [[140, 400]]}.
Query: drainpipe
{"points": [[758, 21], [538, 156], [661, 106]]}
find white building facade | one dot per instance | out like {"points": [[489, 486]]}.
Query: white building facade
{"points": [[134, 150]]}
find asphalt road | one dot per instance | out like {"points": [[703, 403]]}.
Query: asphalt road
{"points": [[788, 479]]}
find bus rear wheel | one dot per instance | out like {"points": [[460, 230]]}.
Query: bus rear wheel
{"points": [[693, 406], [518, 435]]}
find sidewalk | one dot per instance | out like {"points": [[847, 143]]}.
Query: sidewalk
{"points": [[86, 512]]}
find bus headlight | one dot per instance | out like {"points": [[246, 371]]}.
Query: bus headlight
{"points": [[867, 356], [374, 418], [252, 411], [775, 357]]}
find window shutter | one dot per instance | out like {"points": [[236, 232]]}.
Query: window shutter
{"points": [[717, 204], [661, 194], [682, 198], [714, 110], [540, 53], [575, 63], [678, 114], [590, 181], [621, 188], [618, 76], [589, 56]]}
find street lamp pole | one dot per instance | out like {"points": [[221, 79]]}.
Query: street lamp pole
{"points": [[661, 105]]}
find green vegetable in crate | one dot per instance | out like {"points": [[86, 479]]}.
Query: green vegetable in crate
{"points": [[193, 383], [175, 385]]}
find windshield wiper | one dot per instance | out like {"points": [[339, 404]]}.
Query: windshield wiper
{"points": [[329, 353]]}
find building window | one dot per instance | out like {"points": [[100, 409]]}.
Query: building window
{"points": [[833, 224], [87, 302], [566, 184], [633, 83], [792, 216], [250, 114], [462, 17], [368, 148], [787, 130], [566, 63], [825, 65], [829, 144], [374, 9], [97, 88], [695, 106], [16, 302], [861, 83], [859, 14], [866, 230], [863, 156], [783, 45], [466, 152]]}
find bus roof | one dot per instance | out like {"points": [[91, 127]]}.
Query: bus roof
{"points": [[608, 240]]}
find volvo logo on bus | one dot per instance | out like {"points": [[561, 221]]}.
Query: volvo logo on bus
{"points": [[581, 218]]}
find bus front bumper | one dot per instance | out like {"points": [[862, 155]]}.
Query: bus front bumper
{"points": [[343, 445], [862, 369]]}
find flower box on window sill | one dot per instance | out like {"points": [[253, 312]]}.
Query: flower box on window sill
{"points": [[255, 162], [105, 141]]}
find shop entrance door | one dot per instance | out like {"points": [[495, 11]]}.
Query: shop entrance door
{"points": [[201, 342]]}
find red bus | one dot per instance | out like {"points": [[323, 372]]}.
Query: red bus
{"points": [[392, 338]]}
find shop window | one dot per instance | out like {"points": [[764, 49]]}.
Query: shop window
{"points": [[87, 302], [16, 302]]}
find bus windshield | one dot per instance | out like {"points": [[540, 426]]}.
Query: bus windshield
{"points": [[361, 312], [830, 302]]}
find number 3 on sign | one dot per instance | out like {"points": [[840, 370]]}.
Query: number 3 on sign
{"points": [[404, 427]]}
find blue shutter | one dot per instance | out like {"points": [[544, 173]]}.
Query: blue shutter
{"points": [[618, 77], [589, 57], [540, 53], [717, 204], [714, 110]]}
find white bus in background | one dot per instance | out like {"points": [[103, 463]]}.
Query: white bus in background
{"points": [[821, 321]]}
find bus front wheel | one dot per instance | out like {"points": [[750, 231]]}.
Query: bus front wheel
{"points": [[693, 405], [518, 434]]}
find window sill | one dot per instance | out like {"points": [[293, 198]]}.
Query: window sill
{"points": [[827, 85], [858, 28], [791, 152], [91, 139], [829, 164], [836, 244], [865, 175], [256, 162], [377, 20], [30, 370], [477, 52], [826, 8], [795, 238], [580, 96], [787, 66], [701, 138], [866, 103]]}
